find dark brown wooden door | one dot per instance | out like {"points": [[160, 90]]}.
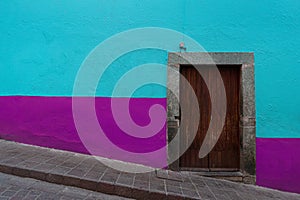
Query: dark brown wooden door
{"points": [[225, 155]]}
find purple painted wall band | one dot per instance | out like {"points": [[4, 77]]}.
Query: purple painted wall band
{"points": [[48, 122], [277, 163]]}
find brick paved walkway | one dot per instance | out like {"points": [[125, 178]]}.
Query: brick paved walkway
{"points": [[17, 188], [84, 171]]}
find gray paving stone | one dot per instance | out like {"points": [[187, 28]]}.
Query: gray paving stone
{"points": [[75, 192], [162, 174], [39, 159], [78, 172], [174, 183], [142, 176], [109, 177], [28, 164], [8, 193], [33, 189], [45, 167], [127, 181], [174, 190], [145, 185], [20, 194], [57, 160], [176, 176], [48, 196], [60, 170], [95, 196], [94, 174], [191, 193], [158, 186], [222, 197], [70, 164], [205, 193], [13, 161]]}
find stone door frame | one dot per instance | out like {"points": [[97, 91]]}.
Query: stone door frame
{"points": [[247, 102]]}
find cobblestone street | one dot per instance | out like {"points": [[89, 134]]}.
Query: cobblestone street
{"points": [[13, 187]]}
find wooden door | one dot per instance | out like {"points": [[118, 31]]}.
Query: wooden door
{"points": [[225, 155]]}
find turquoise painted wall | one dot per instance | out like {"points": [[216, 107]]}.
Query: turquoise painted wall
{"points": [[44, 42]]}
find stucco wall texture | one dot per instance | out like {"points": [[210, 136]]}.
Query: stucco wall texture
{"points": [[43, 43]]}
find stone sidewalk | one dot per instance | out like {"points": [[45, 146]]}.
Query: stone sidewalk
{"points": [[19, 188], [83, 171]]}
